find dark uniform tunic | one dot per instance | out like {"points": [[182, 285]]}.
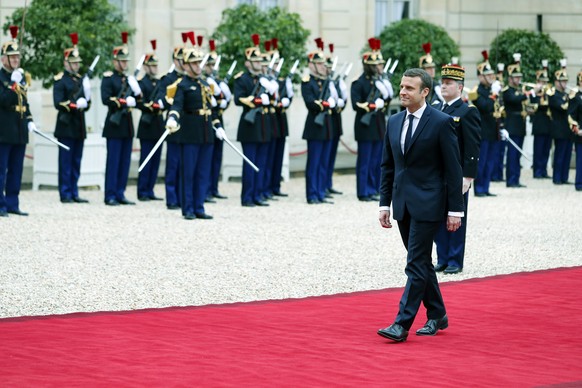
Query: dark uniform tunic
{"points": [[191, 109], [70, 130], [562, 135], [254, 136], [541, 124], [14, 118], [119, 132], [513, 100], [319, 138], [150, 129], [369, 135]]}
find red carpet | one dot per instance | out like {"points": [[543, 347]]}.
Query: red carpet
{"points": [[517, 330]]}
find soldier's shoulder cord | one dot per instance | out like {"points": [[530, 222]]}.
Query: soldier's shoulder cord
{"points": [[141, 77], [107, 74], [238, 75], [305, 79], [58, 76]]}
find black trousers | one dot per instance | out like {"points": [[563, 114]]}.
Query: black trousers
{"points": [[422, 284]]}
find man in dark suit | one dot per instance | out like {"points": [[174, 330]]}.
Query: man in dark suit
{"points": [[451, 246], [422, 178]]}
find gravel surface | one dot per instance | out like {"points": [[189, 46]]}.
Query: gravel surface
{"points": [[67, 258]]}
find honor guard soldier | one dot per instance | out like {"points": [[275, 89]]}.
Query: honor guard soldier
{"points": [[371, 94], [541, 124], [286, 95], [561, 129], [165, 98], [575, 111], [497, 175], [251, 91], [119, 93], [450, 246], [487, 99], [223, 96], [336, 119], [150, 128], [426, 62], [514, 100], [192, 108], [320, 97], [72, 98], [16, 122]]}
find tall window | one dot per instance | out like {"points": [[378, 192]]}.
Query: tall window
{"points": [[122, 5], [390, 11], [263, 4]]}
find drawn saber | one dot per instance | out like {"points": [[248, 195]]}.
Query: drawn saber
{"points": [[225, 138], [506, 137], [153, 151], [54, 141]]}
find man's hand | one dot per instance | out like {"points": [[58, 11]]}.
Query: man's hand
{"points": [[214, 86], [81, 103], [496, 87], [220, 134], [384, 218], [130, 101], [379, 103], [87, 88], [225, 90], [503, 134], [289, 87], [31, 126], [466, 184], [453, 223], [134, 85], [16, 76], [381, 88], [172, 125]]}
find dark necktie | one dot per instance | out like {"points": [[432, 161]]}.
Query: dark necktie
{"points": [[408, 133], [445, 106]]}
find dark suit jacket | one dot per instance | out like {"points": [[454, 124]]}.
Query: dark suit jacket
{"points": [[428, 179], [468, 124]]}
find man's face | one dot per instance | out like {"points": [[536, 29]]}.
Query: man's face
{"points": [[411, 95], [120, 65], [431, 71], [253, 66], [194, 70], [208, 68], [151, 70], [11, 62], [450, 89], [379, 68], [490, 78], [72, 67], [561, 85], [514, 81]]}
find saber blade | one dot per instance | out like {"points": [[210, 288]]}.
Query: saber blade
{"points": [[517, 148], [254, 167], [153, 151], [51, 139]]}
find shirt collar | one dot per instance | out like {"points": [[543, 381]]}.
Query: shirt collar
{"points": [[418, 113], [452, 101]]}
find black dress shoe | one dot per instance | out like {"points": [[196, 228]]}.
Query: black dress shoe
{"points": [[327, 195], [209, 200], [480, 194], [516, 186], [173, 207], [204, 216], [433, 325], [365, 199], [111, 202], [67, 200], [80, 200], [154, 198], [490, 194], [313, 201], [280, 194], [395, 332], [248, 204], [219, 196], [144, 199], [125, 201], [189, 216], [18, 212], [3, 213], [440, 267], [451, 269], [261, 203], [334, 191]]}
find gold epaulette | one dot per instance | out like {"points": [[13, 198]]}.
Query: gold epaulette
{"points": [[305, 79], [107, 74], [550, 92], [473, 95], [505, 88], [58, 76], [172, 88], [456, 119], [238, 75], [141, 77]]}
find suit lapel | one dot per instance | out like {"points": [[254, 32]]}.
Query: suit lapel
{"points": [[421, 125], [399, 122]]}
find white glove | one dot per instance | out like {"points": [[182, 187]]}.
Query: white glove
{"points": [[213, 102], [130, 101], [134, 85], [225, 90], [265, 83], [381, 88], [388, 85], [81, 103], [223, 104], [265, 99], [343, 89], [496, 87], [466, 184], [285, 102], [341, 103], [331, 102], [172, 125], [220, 133], [379, 103], [214, 85], [289, 87], [504, 134], [274, 86], [16, 76], [31, 126], [333, 91], [161, 103], [87, 88]]}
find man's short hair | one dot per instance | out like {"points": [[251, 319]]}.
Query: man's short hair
{"points": [[425, 78]]}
